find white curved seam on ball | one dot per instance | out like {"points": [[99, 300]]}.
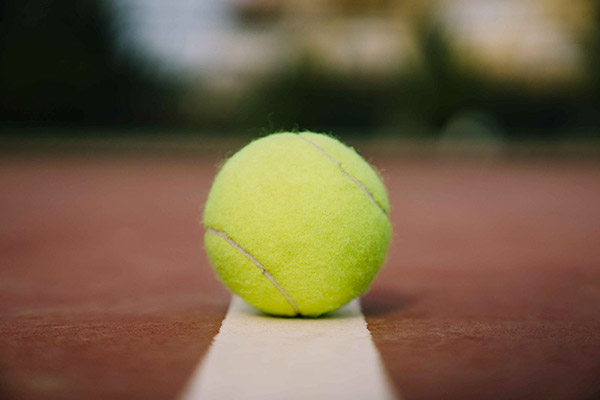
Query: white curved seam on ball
{"points": [[254, 261], [352, 177]]}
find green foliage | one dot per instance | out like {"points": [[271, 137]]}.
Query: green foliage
{"points": [[59, 64]]}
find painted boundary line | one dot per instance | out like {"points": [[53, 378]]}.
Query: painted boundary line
{"points": [[255, 356]]}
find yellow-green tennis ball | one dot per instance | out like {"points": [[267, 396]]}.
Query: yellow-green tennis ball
{"points": [[297, 224]]}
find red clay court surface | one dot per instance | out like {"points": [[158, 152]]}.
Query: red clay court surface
{"points": [[491, 288]]}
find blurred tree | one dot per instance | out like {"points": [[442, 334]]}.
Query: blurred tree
{"points": [[59, 64], [443, 88], [311, 98], [591, 117]]}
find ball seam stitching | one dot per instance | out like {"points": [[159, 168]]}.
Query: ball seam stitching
{"points": [[352, 177], [254, 261]]}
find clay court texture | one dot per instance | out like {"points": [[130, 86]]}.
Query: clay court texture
{"points": [[491, 288]]}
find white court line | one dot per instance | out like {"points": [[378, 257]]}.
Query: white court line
{"points": [[255, 356]]}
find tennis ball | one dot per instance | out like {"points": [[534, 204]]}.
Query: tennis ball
{"points": [[297, 224]]}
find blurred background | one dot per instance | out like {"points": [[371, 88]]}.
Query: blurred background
{"points": [[484, 71]]}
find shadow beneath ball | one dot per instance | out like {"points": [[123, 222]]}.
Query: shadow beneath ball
{"points": [[378, 302], [348, 311], [384, 301]]}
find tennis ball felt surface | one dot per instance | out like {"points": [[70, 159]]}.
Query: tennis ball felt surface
{"points": [[297, 224]]}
